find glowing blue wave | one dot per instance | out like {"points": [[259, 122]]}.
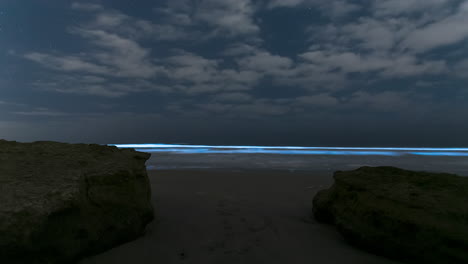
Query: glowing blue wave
{"points": [[461, 154], [142, 146], [265, 151], [294, 150]]}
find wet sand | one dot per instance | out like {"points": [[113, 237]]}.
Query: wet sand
{"points": [[236, 216]]}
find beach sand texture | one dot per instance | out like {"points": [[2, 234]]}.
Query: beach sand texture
{"points": [[237, 216]]}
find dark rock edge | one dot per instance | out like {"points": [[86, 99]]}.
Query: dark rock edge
{"points": [[445, 249]]}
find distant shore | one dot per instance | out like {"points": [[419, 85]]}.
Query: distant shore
{"points": [[236, 216]]}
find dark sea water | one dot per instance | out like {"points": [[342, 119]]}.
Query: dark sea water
{"points": [[324, 159]]}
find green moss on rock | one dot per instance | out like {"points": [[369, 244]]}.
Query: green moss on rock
{"points": [[416, 217], [59, 202]]}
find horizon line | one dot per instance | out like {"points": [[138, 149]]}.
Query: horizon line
{"points": [[162, 145]]}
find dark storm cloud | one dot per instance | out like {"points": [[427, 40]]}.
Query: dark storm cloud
{"points": [[362, 62]]}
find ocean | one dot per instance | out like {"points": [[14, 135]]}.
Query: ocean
{"points": [[324, 159]]}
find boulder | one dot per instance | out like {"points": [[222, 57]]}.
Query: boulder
{"points": [[415, 217], [60, 202]]}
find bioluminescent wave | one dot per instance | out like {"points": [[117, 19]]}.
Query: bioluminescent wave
{"points": [[462, 154], [294, 150], [267, 151], [141, 146]]}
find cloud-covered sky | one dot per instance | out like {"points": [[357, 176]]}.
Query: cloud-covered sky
{"points": [[264, 72]]}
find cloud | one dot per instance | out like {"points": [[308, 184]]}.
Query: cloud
{"points": [[43, 112], [171, 26], [387, 66], [117, 57], [233, 17], [331, 70], [191, 73], [415, 26], [373, 35], [312, 77], [66, 63], [345, 51], [98, 86], [188, 66], [447, 31], [110, 19], [86, 6], [124, 55], [136, 28], [284, 3], [342, 8], [10, 103], [407, 66], [233, 97], [116, 65], [392, 39], [264, 61], [239, 49], [333, 9], [406, 7], [224, 19]]}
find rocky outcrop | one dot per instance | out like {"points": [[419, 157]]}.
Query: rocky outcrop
{"points": [[59, 202], [416, 217]]}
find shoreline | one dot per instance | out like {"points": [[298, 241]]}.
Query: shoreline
{"points": [[236, 216]]}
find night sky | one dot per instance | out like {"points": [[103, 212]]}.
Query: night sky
{"points": [[278, 72]]}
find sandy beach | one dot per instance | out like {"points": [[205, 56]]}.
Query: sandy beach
{"points": [[236, 216]]}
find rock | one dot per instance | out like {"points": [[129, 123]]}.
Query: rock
{"points": [[415, 217], [60, 202]]}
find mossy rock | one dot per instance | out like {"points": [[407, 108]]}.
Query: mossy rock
{"points": [[60, 202], [415, 217]]}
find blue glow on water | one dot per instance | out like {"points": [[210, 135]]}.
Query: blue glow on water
{"points": [[152, 146], [174, 150], [452, 154], [294, 150], [266, 151]]}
